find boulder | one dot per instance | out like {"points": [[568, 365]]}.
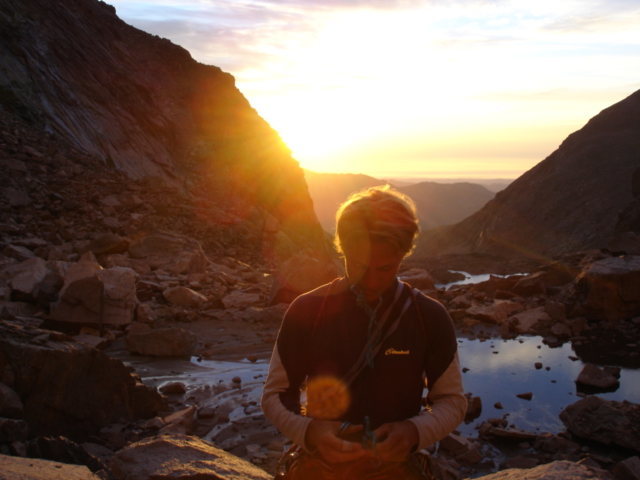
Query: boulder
{"points": [[455, 444], [67, 388], [558, 470], [474, 408], [162, 342], [10, 403], [418, 278], [173, 388], [526, 322], [298, 274], [558, 273], [171, 252], [594, 376], [26, 276], [556, 310], [561, 330], [18, 468], [488, 430], [496, 312], [16, 198], [13, 430], [93, 295], [556, 444], [532, 284], [62, 449], [628, 469], [604, 421], [18, 252], [180, 422], [495, 284], [238, 299], [625, 242], [184, 297], [181, 457], [611, 287], [109, 243], [91, 341]]}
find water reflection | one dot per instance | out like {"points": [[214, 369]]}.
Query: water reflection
{"points": [[469, 278], [494, 377], [500, 376]]}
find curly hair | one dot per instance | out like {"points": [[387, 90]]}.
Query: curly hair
{"points": [[377, 214]]}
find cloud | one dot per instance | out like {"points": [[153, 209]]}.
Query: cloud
{"points": [[602, 16], [233, 35]]}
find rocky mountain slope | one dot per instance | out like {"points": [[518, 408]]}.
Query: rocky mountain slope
{"points": [[437, 203], [141, 105], [579, 197]]}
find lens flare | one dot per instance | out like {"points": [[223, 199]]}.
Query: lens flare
{"points": [[327, 398]]}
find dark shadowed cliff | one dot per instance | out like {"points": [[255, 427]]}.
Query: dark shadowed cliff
{"points": [[579, 197], [141, 105]]}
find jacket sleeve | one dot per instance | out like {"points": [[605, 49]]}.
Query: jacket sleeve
{"points": [[288, 370], [447, 406], [291, 424]]}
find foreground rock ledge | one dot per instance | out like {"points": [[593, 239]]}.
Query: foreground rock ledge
{"points": [[18, 468], [67, 388], [560, 470], [181, 457]]}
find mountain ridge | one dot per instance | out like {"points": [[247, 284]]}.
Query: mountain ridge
{"points": [[436, 203], [574, 199], [142, 105]]}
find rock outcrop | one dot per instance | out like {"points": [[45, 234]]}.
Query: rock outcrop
{"points": [[579, 197], [67, 388], [181, 457]]}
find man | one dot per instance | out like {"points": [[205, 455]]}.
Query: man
{"points": [[362, 348]]}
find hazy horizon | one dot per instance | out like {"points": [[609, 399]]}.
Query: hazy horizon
{"points": [[413, 88], [494, 184]]}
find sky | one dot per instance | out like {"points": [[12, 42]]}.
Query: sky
{"points": [[413, 88]]}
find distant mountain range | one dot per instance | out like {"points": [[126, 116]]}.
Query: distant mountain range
{"points": [[584, 195], [437, 203]]}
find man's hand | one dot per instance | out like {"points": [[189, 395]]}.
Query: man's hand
{"points": [[322, 435], [395, 440]]}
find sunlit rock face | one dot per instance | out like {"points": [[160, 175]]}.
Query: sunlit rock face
{"points": [[577, 198], [559, 470], [144, 106]]}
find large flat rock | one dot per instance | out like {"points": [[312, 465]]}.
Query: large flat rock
{"points": [[18, 468], [68, 388], [181, 457], [560, 470]]}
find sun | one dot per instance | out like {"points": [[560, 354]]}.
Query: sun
{"points": [[322, 130]]}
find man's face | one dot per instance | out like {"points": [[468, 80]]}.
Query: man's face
{"points": [[372, 267]]}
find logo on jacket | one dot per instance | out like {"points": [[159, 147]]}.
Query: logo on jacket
{"points": [[394, 351]]}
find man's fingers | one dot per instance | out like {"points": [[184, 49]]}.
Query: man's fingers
{"points": [[352, 429]]}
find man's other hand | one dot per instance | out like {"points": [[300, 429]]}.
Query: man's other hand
{"points": [[395, 441], [322, 436]]}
